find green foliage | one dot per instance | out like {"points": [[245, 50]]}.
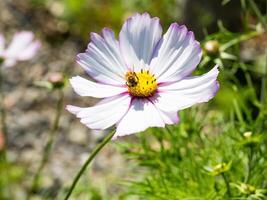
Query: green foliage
{"points": [[85, 16], [11, 176], [217, 151], [190, 160]]}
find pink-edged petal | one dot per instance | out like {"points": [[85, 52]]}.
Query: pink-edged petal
{"points": [[138, 39], [85, 87], [2, 44], [30, 51], [187, 92], [178, 55], [141, 115], [104, 114], [20, 41], [102, 59]]}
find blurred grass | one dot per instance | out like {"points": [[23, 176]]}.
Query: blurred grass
{"points": [[85, 16]]}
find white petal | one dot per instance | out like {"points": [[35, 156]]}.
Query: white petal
{"points": [[179, 54], [102, 59], [138, 39], [187, 92], [141, 115], [103, 115], [30, 51], [85, 87], [169, 117], [2, 44], [20, 41]]}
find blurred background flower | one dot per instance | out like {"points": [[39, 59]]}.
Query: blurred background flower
{"points": [[22, 47]]}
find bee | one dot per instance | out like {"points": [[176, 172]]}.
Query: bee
{"points": [[131, 79]]}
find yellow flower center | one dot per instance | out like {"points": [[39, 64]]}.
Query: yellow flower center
{"points": [[141, 84]]}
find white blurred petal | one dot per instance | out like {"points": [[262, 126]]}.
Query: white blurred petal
{"points": [[20, 41], [29, 52], [9, 62]]}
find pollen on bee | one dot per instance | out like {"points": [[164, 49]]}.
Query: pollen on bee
{"points": [[141, 84]]}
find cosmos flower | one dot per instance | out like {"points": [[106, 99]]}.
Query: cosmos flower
{"points": [[22, 47], [143, 78]]}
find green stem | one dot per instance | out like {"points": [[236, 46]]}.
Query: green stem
{"points": [[239, 39], [264, 82], [168, 130], [88, 161], [261, 117], [239, 113], [49, 144], [226, 184]]}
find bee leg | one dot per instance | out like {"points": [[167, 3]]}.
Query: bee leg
{"points": [[136, 76]]}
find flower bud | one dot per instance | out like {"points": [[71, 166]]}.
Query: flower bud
{"points": [[57, 80], [251, 140], [211, 47], [218, 169], [247, 189], [250, 191]]}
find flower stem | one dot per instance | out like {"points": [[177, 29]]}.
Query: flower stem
{"points": [[227, 184], [261, 117], [264, 82], [88, 161], [239, 39], [49, 144]]}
